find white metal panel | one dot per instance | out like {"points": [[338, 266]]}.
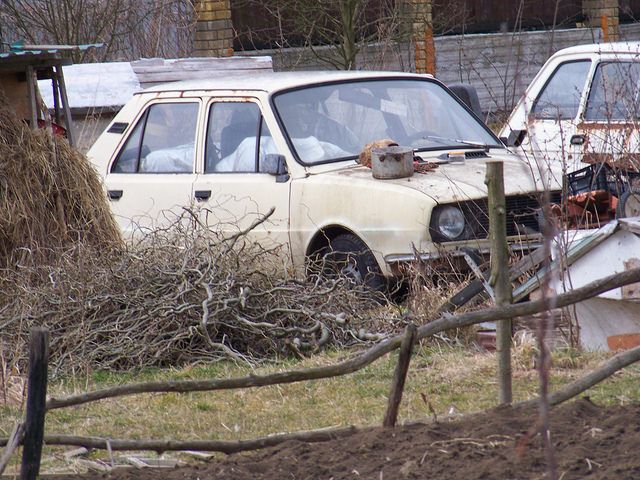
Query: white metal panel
{"points": [[605, 259], [600, 318]]}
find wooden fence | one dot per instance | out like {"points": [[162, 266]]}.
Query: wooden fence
{"points": [[31, 433]]}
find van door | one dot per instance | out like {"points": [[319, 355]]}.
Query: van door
{"points": [[612, 113], [551, 125], [235, 195], [151, 178]]}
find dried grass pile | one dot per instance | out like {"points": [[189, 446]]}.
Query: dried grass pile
{"points": [[50, 196]]}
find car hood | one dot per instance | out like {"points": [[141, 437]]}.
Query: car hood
{"points": [[452, 182]]}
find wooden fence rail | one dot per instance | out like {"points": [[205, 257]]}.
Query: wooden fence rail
{"points": [[446, 322], [349, 366], [354, 364]]}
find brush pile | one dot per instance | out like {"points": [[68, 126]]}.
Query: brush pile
{"points": [[183, 295]]}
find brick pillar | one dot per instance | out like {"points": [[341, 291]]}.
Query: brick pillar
{"points": [[603, 14], [422, 35], [214, 30]]}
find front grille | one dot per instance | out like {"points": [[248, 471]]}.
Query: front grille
{"points": [[523, 216]]}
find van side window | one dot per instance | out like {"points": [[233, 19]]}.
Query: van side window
{"points": [[232, 130], [163, 141], [614, 92], [560, 97]]}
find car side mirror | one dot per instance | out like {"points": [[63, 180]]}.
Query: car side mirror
{"points": [[275, 164]]}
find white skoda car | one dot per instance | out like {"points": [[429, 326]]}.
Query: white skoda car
{"points": [[242, 146]]}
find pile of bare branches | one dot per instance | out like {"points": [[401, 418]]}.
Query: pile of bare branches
{"points": [[180, 295], [50, 196]]}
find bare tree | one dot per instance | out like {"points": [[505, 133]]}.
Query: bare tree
{"points": [[128, 28], [344, 26], [451, 16]]}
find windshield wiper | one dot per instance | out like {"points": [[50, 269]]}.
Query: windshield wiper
{"points": [[446, 141]]}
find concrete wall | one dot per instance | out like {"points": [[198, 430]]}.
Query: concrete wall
{"points": [[499, 65]]}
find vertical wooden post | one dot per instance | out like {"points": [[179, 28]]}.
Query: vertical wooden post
{"points": [[56, 97], [31, 89], [36, 403], [68, 122], [500, 280], [399, 376]]}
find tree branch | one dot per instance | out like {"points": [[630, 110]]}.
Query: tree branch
{"points": [[594, 377], [201, 445]]}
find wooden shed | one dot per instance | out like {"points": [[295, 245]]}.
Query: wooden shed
{"points": [[20, 70]]}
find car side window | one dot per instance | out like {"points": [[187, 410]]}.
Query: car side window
{"points": [[232, 130], [163, 141], [614, 92], [560, 97]]}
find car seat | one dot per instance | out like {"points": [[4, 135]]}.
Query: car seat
{"points": [[243, 124]]}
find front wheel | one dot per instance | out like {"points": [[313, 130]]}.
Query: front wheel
{"points": [[349, 257]]}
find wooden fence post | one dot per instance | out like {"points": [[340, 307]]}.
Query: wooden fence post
{"points": [[500, 274], [14, 441], [399, 376], [36, 403]]}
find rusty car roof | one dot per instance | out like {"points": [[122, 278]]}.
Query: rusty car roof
{"points": [[274, 81]]}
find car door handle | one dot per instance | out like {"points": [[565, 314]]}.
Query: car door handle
{"points": [[114, 194], [577, 140], [202, 195]]}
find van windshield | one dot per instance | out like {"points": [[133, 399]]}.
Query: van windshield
{"points": [[333, 122]]}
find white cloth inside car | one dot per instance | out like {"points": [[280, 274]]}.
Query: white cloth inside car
{"points": [[311, 150], [243, 158], [178, 159]]}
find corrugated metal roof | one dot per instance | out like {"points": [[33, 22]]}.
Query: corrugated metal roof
{"points": [[40, 57], [20, 49]]}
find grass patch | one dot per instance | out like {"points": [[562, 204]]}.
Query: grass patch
{"points": [[451, 379]]}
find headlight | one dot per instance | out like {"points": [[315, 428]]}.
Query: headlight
{"points": [[450, 222]]}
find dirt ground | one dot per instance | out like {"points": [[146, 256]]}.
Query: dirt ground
{"points": [[590, 442]]}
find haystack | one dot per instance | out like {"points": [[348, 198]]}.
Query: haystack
{"points": [[50, 196]]}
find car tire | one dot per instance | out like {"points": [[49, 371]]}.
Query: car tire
{"points": [[349, 256], [628, 204]]}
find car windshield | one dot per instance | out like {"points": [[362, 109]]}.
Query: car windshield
{"points": [[333, 122]]}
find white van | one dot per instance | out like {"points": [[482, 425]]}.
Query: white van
{"points": [[582, 111], [581, 108]]}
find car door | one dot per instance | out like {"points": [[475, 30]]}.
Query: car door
{"points": [[235, 195], [151, 178], [612, 115], [553, 117]]}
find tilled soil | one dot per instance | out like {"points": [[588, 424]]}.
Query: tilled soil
{"points": [[590, 441]]}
